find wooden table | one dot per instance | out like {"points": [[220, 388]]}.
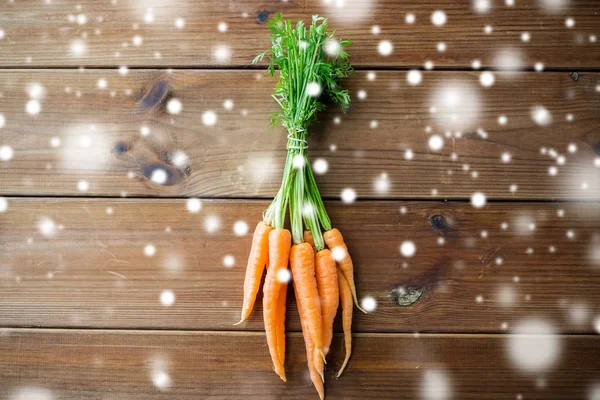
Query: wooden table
{"points": [[113, 286]]}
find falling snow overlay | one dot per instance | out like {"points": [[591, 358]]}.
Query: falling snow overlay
{"points": [[136, 159]]}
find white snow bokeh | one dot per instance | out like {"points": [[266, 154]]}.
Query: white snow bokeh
{"points": [[320, 166], [85, 147], [487, 79], [31, 393], [159, 373], [228, 261], [167, 298], [408, 248], [506, 295], [174, 106], [368, 303], [533, 346], [348, 195], [338, 253], [553, 6], [77, 48], [240, 228], [298, 161], [313, 89], [149, 250], [436, 385], [508, 59], [439, 18], [578, 314], [347, 12], [540, 115], [414, 77], [482, 6], [284, 275], [47, 227], [194, 205], [209, 118], [456, 104], [382, 184], [212, 224], [478, 200], [385, 48], [6, 153], [222, 53]]}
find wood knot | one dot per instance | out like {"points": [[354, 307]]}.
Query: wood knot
{"points": [[162, 174], [574, 76], [262, 17], [120, 148], [155, 95], [440, 224], [406, 296]]}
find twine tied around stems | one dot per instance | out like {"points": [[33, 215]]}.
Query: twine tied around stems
{"points": [[297, 144]]}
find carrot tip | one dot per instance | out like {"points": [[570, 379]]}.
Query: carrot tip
{"points": [[237, 323], [343, 367], [322, 355]]}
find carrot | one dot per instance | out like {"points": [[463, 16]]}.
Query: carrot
{"points": [[334, 241], [279, 252], [281, 308], [346, 297], [327, 285], [302, 263], [315, 376], [308, 238], [258, 258]]}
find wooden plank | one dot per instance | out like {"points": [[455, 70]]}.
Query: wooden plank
{"points": [[72, 364], [82, 263], [98, 136], [102, 32]]}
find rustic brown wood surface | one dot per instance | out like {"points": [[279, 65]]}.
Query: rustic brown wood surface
{"points": [[108, 298], [93, 134], [90, 268], [104, 32], [76, 364]]}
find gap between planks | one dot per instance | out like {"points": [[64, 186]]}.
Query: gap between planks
{"points": [[367, 67], [184, 332], [325, 198]]}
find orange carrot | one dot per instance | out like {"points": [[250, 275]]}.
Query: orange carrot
{"points": [[279, 252], [346, 297], [302, 263], [308, 238], [327, 285], [258, 258], [315, 376], [335, 242], [281, 308]]}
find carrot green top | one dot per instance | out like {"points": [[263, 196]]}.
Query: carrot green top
{"points": [[310, 62]]}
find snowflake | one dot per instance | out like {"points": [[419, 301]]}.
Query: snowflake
{"points": [[414, 77], [438, 18], [408, 248], [167, 298], [385, 48], [209, 118], [368, 303]]}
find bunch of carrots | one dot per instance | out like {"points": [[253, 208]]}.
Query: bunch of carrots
{"points": [[310, 63]]}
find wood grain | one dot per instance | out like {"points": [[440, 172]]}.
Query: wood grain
{"points": [[139, 365], [42, 34], [93, 272], [100, 140]]}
